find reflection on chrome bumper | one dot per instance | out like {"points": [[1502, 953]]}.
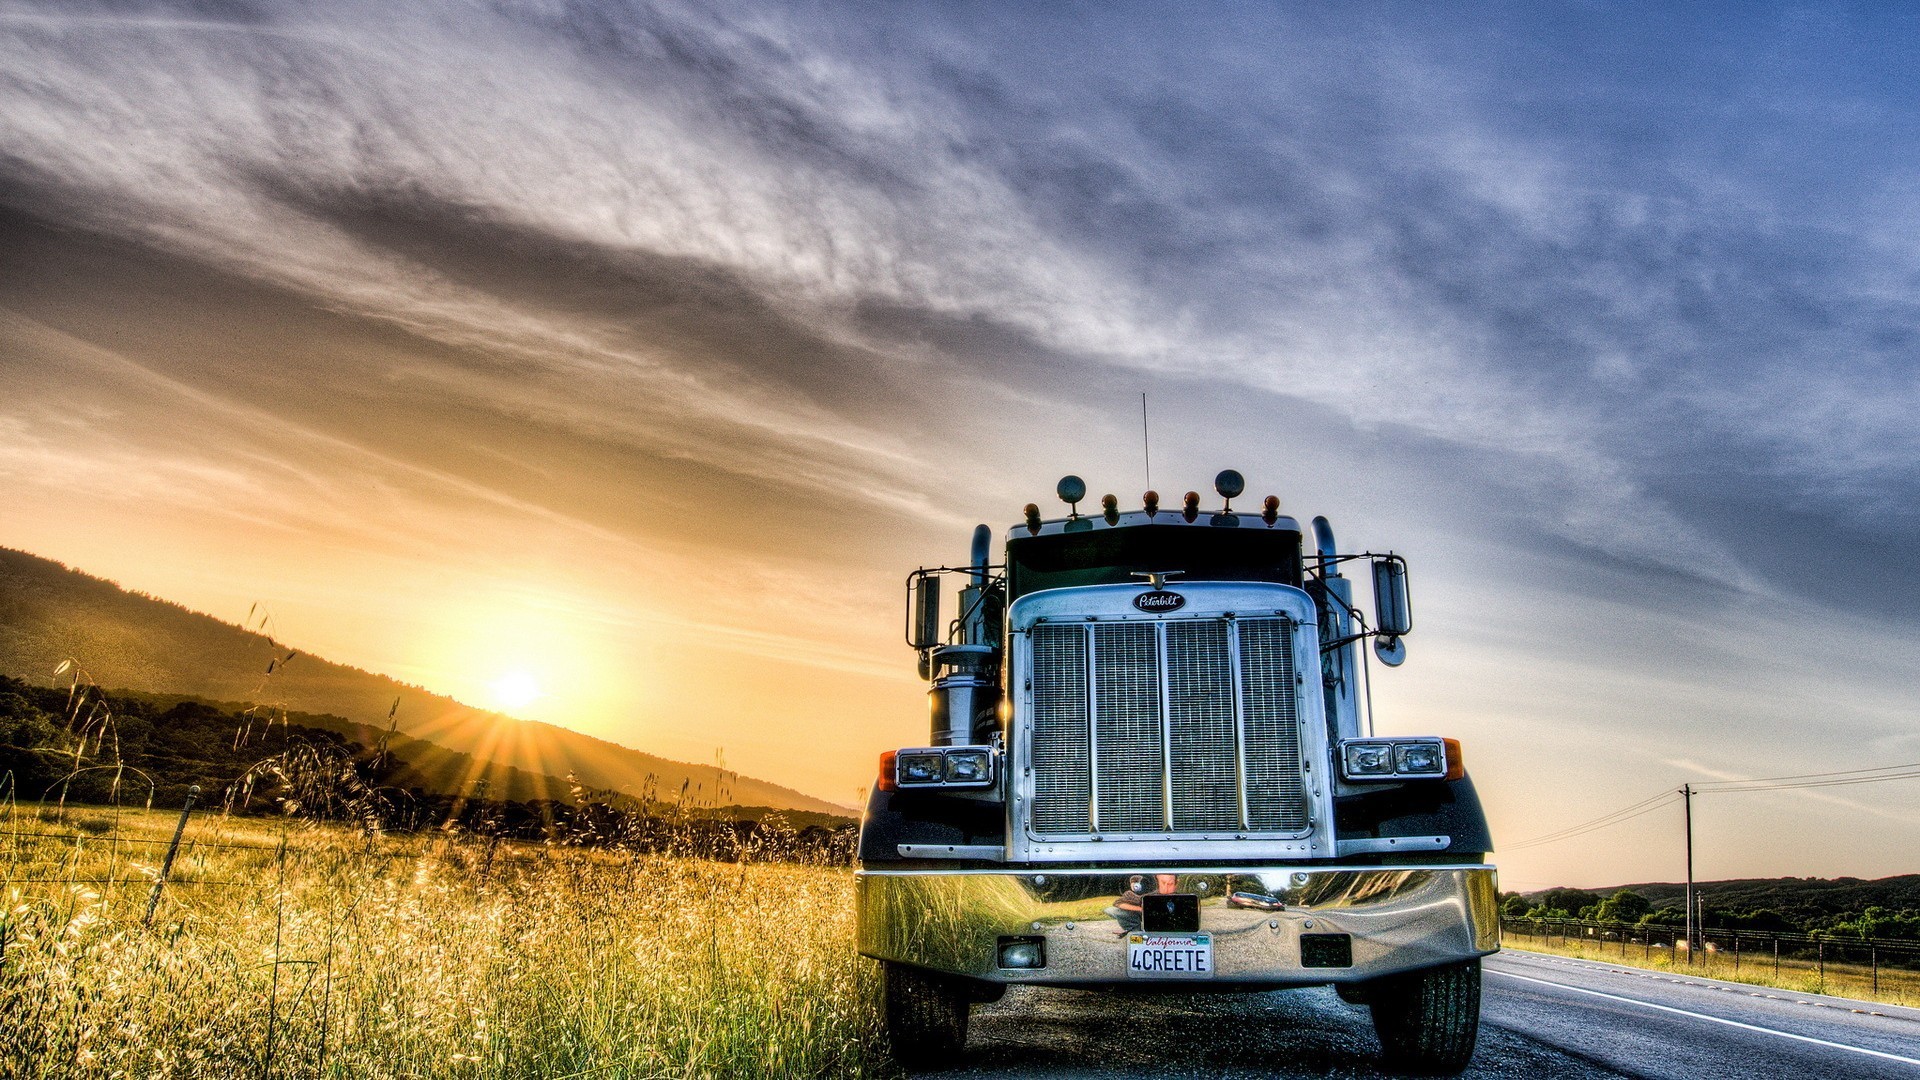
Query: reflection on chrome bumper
{"points": [[1398, 919]]}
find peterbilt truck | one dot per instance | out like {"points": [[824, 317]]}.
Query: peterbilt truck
{"points": [[1151, 765]]}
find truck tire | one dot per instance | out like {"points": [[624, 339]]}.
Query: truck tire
{"points": [[1428, 1020], [926, 1016]]}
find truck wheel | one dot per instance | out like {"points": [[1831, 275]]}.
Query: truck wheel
{"points": [[926, 1016], [1427, 1020]]}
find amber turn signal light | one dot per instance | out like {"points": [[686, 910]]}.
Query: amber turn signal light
{"points": [[887, 781]]}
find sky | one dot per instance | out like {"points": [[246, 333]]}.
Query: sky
{"points": [[613, 363]]}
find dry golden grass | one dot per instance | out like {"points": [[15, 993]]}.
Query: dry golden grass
{"points": [[350, 957], [1895, 986]]}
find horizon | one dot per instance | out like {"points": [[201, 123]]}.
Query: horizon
{"points": [[1598, 889], [612, 367]]}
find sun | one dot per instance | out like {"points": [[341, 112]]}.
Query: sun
{"points": [[515, 689]]}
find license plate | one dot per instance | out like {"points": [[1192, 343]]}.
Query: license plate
{"points": [[1170, 956]]}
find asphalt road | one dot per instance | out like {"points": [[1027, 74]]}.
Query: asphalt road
{"points": [[1541, 1016]]}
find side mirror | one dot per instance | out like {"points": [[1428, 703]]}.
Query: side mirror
{"points": [[1392, 609], [923, 614]]}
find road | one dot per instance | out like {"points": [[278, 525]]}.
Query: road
{"points": [[1541, 1016]]}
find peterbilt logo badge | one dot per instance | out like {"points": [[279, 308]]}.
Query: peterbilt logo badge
{"points": [[1159, 600]]}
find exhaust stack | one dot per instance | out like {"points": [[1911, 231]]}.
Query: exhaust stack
{"points": [[966, 675]]}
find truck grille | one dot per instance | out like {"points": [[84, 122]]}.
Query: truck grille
{"points": [[1172, 726]]}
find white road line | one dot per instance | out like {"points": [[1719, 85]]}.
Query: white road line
{"points": [[1715, 1019]]}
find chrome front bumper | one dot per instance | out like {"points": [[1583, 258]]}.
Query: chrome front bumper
{"points": [[1398, 920]]}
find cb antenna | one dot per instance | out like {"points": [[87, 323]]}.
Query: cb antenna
{"points": [[1146, 445]]}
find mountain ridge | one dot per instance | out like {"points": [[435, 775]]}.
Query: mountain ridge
{"points": [[142, 644]]}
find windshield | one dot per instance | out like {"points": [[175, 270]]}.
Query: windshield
{"points": [[1106, 556]]}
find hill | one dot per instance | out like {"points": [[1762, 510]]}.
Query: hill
{"points": [[1800, 900], [1789, 903], [137, 643]]}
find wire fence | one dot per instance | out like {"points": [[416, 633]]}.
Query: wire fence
{"points": [[1813, 960]]}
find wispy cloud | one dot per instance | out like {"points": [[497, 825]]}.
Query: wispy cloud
{"points": [[1407, 255], [1621, 299]]}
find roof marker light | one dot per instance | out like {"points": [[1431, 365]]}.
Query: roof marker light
{"points": [[1270, 512], [1033, 518], [1229, 484], [1151, 500], [1110, 509], [1071, 490], [1192, 509]]}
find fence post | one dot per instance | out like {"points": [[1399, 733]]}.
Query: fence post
{"points": [[166, 865], [1776, 956], [1822, 953], [1873, 957], [1736, 950]]}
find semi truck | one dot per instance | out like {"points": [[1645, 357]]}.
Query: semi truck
{"points": [[1151, 764]]}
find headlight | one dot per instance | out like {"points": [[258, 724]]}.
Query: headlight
{"points": [[1400, 759], [945, 766], [1419, 759], [1369, 759], [919, 767], [968, 766]]}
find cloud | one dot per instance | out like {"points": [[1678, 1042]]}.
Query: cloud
{"points": [[1606, 320], [703, 220]]}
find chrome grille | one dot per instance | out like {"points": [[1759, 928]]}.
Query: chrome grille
{"points": [[1200, 728], [1276, 787], [1171, 726], [1129, 781], [1062, 780]]}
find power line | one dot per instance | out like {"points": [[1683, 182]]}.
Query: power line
{"points": [[1604, 821], [1791, 782], [1817, 784], [1821, 779], [1574, 834]]}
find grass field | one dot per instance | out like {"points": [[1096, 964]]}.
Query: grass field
{"points": [[287, 950], [1892, 985]]}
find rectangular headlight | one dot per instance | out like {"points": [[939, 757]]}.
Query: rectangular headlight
{"points": [[1367, 758], [920, 767], [944, 766], [969, 766], [1423, 758], [1394, 759]]}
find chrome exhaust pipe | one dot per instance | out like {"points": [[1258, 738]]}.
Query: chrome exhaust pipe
{"points": [[1323, 539]]}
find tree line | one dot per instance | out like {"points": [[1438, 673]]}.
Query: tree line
{"points": [[1628, 908]]}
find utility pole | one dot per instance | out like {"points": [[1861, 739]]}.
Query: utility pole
{"points": [[1686, 794]]}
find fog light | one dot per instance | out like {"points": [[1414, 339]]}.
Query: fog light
{"points": [[1023, 952], [1419, 759], [1369, 759], [919, 768], [967, 766]]}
